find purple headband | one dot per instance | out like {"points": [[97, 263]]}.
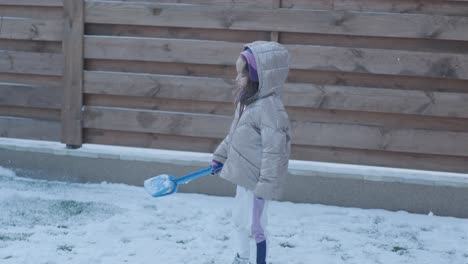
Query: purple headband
{"points": [[252, 64]]}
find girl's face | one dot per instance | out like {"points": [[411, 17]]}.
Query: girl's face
{"points": [[242, 75]]}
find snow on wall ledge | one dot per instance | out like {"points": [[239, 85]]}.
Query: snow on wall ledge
{"points": [[296, 167], [7, 172], [310, 182]]}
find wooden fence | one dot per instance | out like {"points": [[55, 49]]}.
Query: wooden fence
{"points": [[377, 82]]}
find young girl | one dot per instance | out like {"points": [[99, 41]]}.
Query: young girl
{"points": [[255, 153]]}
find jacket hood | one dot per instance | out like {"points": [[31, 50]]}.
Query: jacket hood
{"points": [[272, 61]]}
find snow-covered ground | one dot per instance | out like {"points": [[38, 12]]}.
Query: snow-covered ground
{"points": [[55, 222]]}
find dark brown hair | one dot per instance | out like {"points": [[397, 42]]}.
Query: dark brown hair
{"points": [[243, 94]]}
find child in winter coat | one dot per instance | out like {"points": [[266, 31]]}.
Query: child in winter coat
{"points": [[255, 153]]}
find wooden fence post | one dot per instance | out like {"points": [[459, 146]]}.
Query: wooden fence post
{"points": [[274, 35], [72, 101]]}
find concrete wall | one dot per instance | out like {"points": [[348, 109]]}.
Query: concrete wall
{"points": [[444, 194]]}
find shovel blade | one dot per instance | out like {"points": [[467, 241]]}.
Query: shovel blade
{"points": [[160, 185]]}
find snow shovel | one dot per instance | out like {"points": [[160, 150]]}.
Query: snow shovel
{"points": [[164, 184]]}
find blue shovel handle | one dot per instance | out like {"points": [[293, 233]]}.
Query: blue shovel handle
{"points": [[192, 176], [163, 185]]}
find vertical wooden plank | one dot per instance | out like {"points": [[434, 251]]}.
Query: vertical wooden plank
{"points": [[73, 73], [275, 34]]}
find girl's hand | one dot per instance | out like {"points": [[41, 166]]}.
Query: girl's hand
{"points": [[216, 167]]}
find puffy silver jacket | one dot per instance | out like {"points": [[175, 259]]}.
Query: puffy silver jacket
{"points": [[256, 150]]}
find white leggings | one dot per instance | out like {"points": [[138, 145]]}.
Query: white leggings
{"points": [[250, 220]]}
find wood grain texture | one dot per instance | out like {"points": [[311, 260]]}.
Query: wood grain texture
{"points": [[377, 61], [275, 35], [407, 44], [303, 132], [379, 138], [162, 104], [374, 61], [376, 100], [384, 120], [36, 12], [242, 36], [243, 3], [31, 63], [161, 122], [30, 96], [295, 95], [319, 77], [161, 86], [362, 79], [31, 79], [150, 140], [73, 72], [27, 128], [285, 20], [32, 2], [31, 46], [31, 112], [170, 68], [162, 50], [432, 7], [381, 158], [30, 29]]}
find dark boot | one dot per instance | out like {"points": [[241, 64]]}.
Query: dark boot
{"points": [[261, 252]]}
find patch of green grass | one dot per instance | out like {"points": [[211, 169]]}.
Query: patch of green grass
{"points": [[400, 250], [14, 236], [287, 245], [72, 208], [66, 248], [328, 239]]}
